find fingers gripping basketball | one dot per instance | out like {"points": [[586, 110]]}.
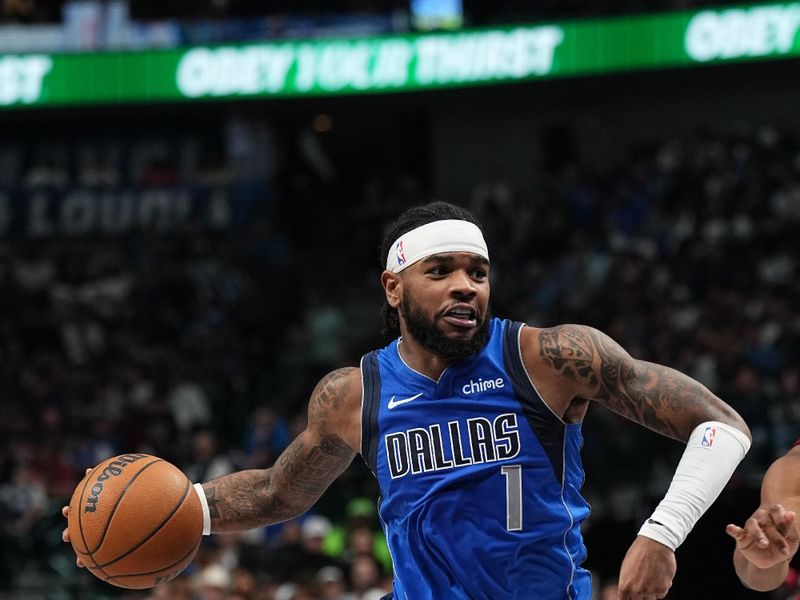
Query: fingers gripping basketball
{"points": [[135, 521]]}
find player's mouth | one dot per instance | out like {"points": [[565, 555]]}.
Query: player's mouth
{"points": [[461, 315]]}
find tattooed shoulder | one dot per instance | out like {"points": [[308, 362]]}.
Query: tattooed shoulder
{"points": [[570, 351], [336, 399], [333, 390]]}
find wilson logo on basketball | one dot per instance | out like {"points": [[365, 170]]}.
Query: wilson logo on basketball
{"points": [[111, 470]]}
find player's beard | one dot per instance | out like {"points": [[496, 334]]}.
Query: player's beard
{"points": [[430, 337]]}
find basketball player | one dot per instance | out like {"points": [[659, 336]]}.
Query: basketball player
{"points": [[769, 539], [472, 426]]}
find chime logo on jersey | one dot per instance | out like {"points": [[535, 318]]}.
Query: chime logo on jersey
{"points": [[434, 448], [475, 387], [708, 437]]}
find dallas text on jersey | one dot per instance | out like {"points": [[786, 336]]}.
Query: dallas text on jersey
{"points": [[478, 440]]}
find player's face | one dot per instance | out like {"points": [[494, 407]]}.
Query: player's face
{"points": [[445, 303]]}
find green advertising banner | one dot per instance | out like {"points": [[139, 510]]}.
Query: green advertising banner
{"points": [[402, 63]]}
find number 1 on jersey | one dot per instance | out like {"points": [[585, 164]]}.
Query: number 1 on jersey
{"points": [[513, 475]]}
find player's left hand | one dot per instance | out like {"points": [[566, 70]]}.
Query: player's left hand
{"points": [[647, 571]]}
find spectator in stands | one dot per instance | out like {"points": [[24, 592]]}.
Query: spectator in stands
{"points": [[266, 438], [366, 579], [208, 461], [331, 584]]}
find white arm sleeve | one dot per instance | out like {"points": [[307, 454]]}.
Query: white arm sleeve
{"points": [[201, 493], [713, 452]]}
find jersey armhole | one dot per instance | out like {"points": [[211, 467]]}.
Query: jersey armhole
{"points": [[370, 403], [548, 427]]}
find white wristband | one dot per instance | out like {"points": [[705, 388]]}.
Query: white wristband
{"points": [[201, 493], [713, 452]]}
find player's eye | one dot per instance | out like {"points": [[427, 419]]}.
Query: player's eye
{"points": [[436, 271], [479, 274]]}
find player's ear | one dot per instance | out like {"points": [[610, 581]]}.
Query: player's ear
{"points": [[392, 287]]}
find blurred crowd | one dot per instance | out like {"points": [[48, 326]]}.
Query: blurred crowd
{"points": [[476, 12], [68, 26], [202, 347]]}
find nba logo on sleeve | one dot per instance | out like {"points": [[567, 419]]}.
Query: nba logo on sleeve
{"points": [[401, 255], [708, 437]]}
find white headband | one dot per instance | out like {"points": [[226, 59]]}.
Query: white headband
{"points": [[450, 235]]}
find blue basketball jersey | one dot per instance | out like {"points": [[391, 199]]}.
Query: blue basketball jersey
{"points": [[480, 481]]}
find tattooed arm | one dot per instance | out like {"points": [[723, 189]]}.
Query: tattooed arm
{"points": [[575, 364], [306, 468]]}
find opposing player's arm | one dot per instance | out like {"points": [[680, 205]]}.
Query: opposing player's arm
{"points": [[781, 484], [590, 365], [769, 539], [304, 470]]}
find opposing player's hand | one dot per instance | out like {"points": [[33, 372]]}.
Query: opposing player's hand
{"points": [[647, 571], [770, 536], [65, 533]]}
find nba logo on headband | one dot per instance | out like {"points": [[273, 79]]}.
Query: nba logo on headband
{"points": [[401, 256]]}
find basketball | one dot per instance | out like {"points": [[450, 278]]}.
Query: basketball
{"points": [[135, 521]]}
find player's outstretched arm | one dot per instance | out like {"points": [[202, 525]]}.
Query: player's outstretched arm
{"points": [[301, 474], [313, 460], [769, 538]]}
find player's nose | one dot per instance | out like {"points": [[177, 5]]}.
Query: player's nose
{"points": [[461, 284]]}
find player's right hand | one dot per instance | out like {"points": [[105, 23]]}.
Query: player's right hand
{"points": [[647, 571], [65, 533], [770, 536]]}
